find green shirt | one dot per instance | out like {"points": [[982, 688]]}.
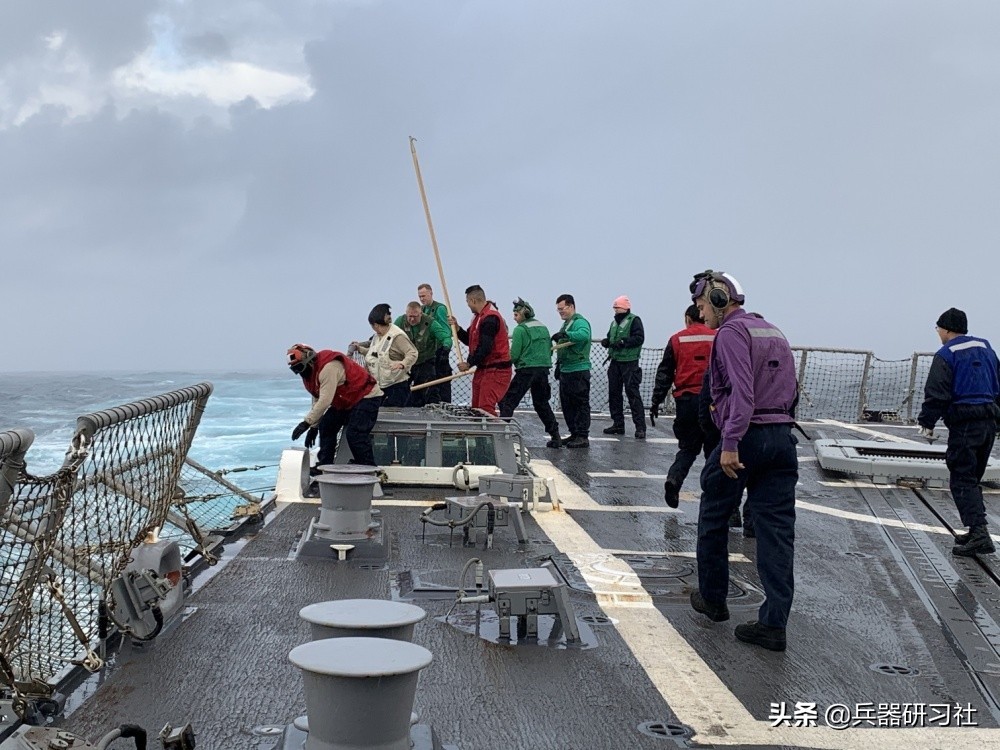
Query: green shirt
{"points": [[427, 335], [575, 358], [531, 346]]}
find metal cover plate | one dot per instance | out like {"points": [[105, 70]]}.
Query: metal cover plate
{"points": [[876, 458], [522, 578]]}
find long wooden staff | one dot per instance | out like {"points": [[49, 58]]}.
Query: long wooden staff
{"points": [[445, 379], [437, 254]]}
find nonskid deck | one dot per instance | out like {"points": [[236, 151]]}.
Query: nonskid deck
{"points": [[884, 618]]}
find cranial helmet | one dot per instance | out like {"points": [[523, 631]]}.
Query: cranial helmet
{"points": [[300, 357], [720, 287], [526, 310]]}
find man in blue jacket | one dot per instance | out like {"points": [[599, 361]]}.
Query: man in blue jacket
{"points": [[753, 391], [963, 388]]}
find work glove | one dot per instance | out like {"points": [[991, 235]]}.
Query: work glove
{"points": [[559, 336], [299, 429], [654, 412], [605, 342], [619, 345], [311, 437], [556, 373], [928, 433]]}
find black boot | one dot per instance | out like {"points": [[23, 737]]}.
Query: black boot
{"points": [[978, 543], [716, 612], [671, 494], [765, 636], [555, 442], [614, 430]]}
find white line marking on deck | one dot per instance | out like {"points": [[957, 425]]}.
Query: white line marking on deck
{"points": [[687, 684], [867, 431]]}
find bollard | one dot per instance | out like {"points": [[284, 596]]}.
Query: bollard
{"points": [[359, 691], [371, 618], [355, 469], [346, 505]]}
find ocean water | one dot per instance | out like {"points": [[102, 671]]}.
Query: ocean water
{"points": [[248, 420]]}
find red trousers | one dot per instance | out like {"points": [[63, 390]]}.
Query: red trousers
{"points": [[488, 387]]}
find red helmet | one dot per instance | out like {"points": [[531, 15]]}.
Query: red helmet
{"points": [[300, 357]]}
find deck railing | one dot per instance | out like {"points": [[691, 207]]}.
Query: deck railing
{"points": [[851, 385]]}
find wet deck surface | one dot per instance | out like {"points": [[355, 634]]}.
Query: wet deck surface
{"points": [[883, 614]]}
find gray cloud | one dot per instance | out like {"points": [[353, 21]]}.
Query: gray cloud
{"points": [[826, 154]]}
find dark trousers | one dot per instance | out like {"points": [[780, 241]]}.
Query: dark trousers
{"points": [[969, 447], [627, 376], [423, 372], [690, 439], [535, 379], [357, 422], [574, 397], [768, 453], [442, 369], [396, 395]]}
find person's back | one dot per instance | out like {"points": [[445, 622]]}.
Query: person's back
{"points": [[683, 367], [963, 389], [531, 354]]}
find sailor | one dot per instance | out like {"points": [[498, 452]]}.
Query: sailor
{"points": [[442, 357], [754, 392], [531, 353], [344, 395], [683, 367], [489, 351], [427, 334], [963, 389], [573, 371], [389, 355], [624, 344]]}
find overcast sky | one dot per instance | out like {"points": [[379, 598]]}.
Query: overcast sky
{"points": [[197, 185]]}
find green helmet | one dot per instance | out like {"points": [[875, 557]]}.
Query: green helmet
{"points": [[526, 309]]}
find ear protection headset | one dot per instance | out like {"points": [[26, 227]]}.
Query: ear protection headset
{"points": [[718, 296], [716, 287]]}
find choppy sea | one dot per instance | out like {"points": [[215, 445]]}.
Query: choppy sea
{"points": [[248, 421]]}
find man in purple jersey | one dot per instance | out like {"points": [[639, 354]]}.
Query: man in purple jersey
{"points": [[753, 392]]}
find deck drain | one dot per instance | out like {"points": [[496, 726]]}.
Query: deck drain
{"points": [[596, 619], [370, 566], [852, 553], [664, 730], [896, 670]]}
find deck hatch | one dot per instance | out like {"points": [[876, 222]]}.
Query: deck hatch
{"points": [[885, 462]]}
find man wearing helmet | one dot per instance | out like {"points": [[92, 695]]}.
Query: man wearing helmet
{"points": [[531, 353], [344, 395], [753, 392]]}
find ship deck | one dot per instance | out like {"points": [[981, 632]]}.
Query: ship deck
{"points": [[885, 622]]}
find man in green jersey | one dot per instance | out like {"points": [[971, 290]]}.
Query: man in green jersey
{"points": [[531, 353]]}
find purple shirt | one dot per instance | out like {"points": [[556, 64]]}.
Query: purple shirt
{"points": [[753, 376]]}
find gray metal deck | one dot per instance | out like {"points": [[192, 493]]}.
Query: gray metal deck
{"points": [[883, 615]]}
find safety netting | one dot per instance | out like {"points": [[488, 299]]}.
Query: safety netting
{"points": [[69, 535], [843, 384]]}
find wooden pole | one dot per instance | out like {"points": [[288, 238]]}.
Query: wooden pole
{"points": [[434, 244], [445, 379]]}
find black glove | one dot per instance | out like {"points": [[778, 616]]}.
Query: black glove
{"points": [[605, 342], [556, 373], [619, 344], [654, 412], [299, 429], [559, 336], [311, 437]]}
